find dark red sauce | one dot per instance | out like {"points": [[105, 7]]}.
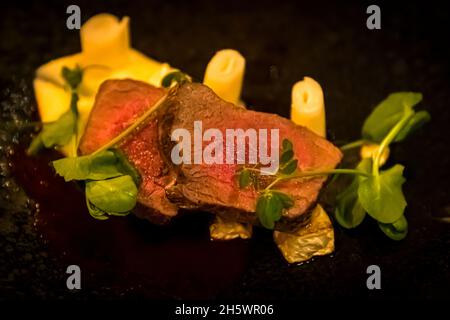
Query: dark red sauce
{"points": [[128, 255]]}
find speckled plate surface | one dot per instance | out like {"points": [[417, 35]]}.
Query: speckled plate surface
{"points": [[282, 42]]}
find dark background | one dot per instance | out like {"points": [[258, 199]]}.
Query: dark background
{"points": [[282, 42]]}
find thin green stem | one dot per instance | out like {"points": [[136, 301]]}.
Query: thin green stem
{"points": [[389, 138], [74, 106], [274, 182], [133, 126], [352, 145], [318, 173], [252, 169]]}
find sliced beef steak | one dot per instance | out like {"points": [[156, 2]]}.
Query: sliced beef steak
{"points": [[117, 105], [214, 187]]}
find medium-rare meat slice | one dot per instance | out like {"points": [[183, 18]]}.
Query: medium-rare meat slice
{"points": [[214, 187], [117, 105]]}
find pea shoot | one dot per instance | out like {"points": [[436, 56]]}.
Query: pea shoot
{"points": [[111, 182], [372, 191], [64, 129], [270, 203], [177, 77], [380, 195]]}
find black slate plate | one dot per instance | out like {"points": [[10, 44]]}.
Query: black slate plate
{"points": [[282, 42]]}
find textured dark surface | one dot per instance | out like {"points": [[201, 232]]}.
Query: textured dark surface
{"points": [[282, 43]]}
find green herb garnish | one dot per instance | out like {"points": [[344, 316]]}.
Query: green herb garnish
{"points": [[62, 131], [349, 212], [387, 114], [373, 191], [115, 196], [271, 202], [174, 77], [380, 194], [396, 230], [111, 181]]}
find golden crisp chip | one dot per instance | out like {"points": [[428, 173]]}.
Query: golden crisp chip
{"points": [[222, 229], [316, 239]]}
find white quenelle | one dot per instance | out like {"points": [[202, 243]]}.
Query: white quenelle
{"points": [[225, 73], [106, 54], [308, 107]]}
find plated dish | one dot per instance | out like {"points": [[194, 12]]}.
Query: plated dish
{"points": [[142, 137]]}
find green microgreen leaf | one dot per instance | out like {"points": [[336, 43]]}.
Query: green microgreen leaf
{"points": [[289, 168], [416, 122], [286, 201], [35, 145], [175, 76], [245, 178], [115, 196], [349, 212], [91, 167], [96, 212], [286, 156], [381, 195], [60, 132], [268, 209], [57, 133], [72, 77], [387, 114], [378, 193], [287, 145], [111, 181], [396, 230], [104, 165]]}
